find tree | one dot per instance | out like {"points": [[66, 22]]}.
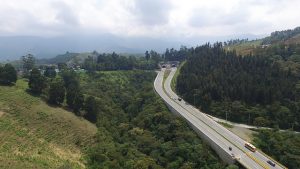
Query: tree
{"points": [[37, 82], [8, 74], [91, 109], [62, 66], [56, 92], [78, 103], [28, 63], [147, 55], [89, 64], [260, 121], [50, 72], [72, 91], [155, 56], [70, 77]]}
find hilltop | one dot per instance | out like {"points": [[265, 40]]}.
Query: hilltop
{"points": [[285, 37]]}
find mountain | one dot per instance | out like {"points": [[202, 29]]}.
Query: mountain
{"points": [[13, 47]]}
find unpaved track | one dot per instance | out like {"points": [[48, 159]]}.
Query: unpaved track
{"points": [[1, 113]]}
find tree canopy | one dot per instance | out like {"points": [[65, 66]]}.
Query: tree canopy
{"points": [[8, 74], [253, 89]]}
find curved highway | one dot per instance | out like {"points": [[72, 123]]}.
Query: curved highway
{"points": [[222, 137]]}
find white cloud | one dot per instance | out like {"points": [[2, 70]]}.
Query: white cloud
{"points": [[152, 18]]}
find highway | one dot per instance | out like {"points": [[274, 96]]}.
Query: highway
{"points": [[216, 133]]}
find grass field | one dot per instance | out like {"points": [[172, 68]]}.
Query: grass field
{"points": [[244, 48], [174, 80], [36, 135]]}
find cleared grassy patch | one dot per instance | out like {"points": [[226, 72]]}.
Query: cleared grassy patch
{"points": [[174, 80], [36, 135], [244, 48], [226, 125]]}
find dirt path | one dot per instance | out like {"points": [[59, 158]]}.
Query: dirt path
{"points": [[244, 133], [1, 113]]}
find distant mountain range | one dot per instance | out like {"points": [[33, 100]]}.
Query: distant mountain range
{"points": [[13, 47]]}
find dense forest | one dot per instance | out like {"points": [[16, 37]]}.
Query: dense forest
{"points": [[176, 55], [114, 61], [282, 146], [136, 130], [254, 89]]}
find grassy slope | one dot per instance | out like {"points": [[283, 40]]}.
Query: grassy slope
{"points": [[174, 80], [35, 135], [248, 47], [244, 48]]}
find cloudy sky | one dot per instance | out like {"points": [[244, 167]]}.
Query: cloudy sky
{"points": [[147, 18]]}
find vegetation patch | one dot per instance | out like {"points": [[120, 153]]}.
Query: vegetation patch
{"points": [[282, 146], [174, 80], [135, 128], [36, 135], [227, 125]]}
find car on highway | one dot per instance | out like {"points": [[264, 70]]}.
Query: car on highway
{"points": [[271, 163], [179, 99]]}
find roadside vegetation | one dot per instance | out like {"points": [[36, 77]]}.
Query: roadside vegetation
{"points": [[282, 146], [174, 80]]}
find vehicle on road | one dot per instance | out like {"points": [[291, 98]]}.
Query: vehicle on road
{"points": [[179, 99], [271, 163], [230, 148], [250, 147]]}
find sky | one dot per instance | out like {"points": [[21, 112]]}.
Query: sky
{"points": [[46, 28], [179, 19]]}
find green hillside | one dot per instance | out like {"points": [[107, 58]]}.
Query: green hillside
{"points": [[285, 37], [244, 48], [36, 135], [136, 130]]}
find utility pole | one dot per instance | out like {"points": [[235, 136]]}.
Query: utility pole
{"points": [[249, 119], [195, 93]]}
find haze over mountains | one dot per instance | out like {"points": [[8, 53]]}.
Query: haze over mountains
{"points": [[13, 47]]}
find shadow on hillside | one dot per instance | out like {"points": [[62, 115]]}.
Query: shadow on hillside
{"points": [[7, 84], [43, 97]]}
